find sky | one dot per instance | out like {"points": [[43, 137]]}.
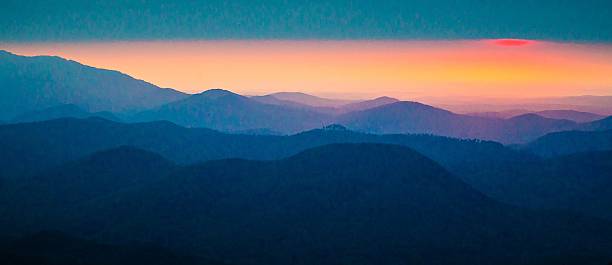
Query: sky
{"points": [[354, 69], [354, 49], [94, 20]]}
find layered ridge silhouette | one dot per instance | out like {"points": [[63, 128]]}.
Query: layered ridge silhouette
{"points": [[98, 167], [42, 87], [326, 205]]}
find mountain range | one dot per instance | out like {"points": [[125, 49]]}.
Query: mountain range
{"points": [[227, 111], [230, 112], [599, 105], [326, 205], [97, 167], [310, 100], [44, 87], [560, 114], [32, 148], [28, 146], [338, 107], [414, 117]]}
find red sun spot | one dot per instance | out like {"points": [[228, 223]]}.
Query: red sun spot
{"points": [[512, 42]]}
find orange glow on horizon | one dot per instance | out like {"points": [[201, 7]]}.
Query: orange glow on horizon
{"points": [[512, 42], [355, 69]]}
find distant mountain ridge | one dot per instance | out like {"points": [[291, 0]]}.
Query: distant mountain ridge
{"points": [[37, 86], [329, 106], [414, 117], [270, 99], [560, 114], [310, 100], [368, 104], [62, 111], [28, 146], [573, 115], [226, 111], [601, 105], [35, 83], [500, 114]]}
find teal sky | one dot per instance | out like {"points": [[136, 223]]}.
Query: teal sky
{"points": [[95, 20]]}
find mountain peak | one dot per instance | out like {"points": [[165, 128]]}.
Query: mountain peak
{"points": [[412, 105], [5, 52], [217, 93], [69, 82], [385, 98], [334, 127], [369, 104], [301, 94], [376, 157], [307, 99]]}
